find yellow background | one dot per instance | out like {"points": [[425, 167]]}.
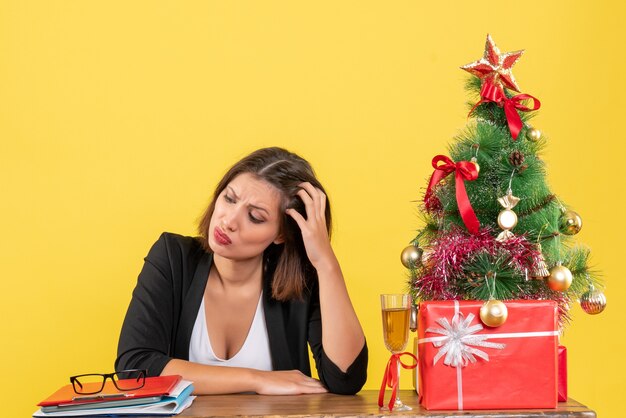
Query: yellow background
{"points": [[117, 118]]}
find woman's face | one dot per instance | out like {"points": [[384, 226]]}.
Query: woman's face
{"points": [[246, 219]]}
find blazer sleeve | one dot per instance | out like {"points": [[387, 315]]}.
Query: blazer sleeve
{"points": [[336, 381], [147, 329]]}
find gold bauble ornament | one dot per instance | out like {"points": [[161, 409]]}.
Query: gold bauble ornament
{"points": [[570, 222], [593, 301], [533, 134], [474, 161], [560, 278], [493, 313], [507, 219], [411, 256]]}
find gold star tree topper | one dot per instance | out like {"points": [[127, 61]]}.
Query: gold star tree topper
{"points": [[495, 67]]}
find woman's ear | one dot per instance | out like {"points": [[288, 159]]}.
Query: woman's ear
{"points": [[279, 239]]}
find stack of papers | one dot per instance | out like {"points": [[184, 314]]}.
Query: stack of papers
{"points": [[163, 395]]}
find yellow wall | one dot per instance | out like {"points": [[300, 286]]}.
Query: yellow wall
{"points": [[118, 117]]}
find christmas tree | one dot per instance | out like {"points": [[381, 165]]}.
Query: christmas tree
{"points": [[494, 230]]}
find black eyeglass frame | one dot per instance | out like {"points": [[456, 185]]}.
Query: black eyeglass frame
{"points": [[142, 373]]}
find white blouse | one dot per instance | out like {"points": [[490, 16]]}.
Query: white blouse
{"points": [[254, 353]]}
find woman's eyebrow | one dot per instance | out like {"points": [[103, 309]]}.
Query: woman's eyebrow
{"points": [[232, 191], [250, 205], [259, 208]]}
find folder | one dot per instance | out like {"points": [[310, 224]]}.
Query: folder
{"points": [[154, 387]]}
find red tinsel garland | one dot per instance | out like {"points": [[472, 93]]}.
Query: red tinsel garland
{"points": [[450, 252]]}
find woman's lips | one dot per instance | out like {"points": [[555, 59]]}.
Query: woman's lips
{"points": [[221, 237]]}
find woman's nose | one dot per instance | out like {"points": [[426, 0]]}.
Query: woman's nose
{"points": [[227, 225], [229, 222]]}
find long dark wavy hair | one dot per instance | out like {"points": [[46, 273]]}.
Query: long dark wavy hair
{"points": [[285, 171]]}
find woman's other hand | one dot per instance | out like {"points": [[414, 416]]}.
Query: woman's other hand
{"points": [[286, 382]]}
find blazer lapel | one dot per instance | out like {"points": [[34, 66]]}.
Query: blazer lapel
{"points": [[191, 304], [281, 359]]}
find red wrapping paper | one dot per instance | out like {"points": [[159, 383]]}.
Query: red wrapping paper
{"points": [[562, 385], [522, 374]]}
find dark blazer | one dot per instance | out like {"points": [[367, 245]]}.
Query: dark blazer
{"points": [[165, 304]]}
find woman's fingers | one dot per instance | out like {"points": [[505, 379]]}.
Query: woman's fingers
{"points": [[297, 217], [313, 227], [308, 384], [308, 203], [290, 382], [320, 389], [318, 197], [323, 206]]}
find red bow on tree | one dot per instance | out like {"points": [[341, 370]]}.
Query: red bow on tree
{"points": [[493, 93], [464, 170], [512, 117]]}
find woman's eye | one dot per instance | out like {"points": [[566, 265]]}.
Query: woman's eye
{"points": [[255, 220], [229, 199]]}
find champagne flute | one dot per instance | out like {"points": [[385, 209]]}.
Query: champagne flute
{"points": [[396, 309]]}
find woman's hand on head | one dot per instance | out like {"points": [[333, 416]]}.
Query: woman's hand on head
{"points": [[286, 382], [313, 228]]}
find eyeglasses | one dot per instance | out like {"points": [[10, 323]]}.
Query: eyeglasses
{"points": [[88, 384]]}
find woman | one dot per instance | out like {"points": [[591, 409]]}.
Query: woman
{"points": [[259, 283]]}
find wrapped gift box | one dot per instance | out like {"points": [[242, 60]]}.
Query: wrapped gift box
{"points": [[464, 364], [562, 385]]}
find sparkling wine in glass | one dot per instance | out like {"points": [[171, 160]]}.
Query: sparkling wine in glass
{"points": [[396, 309]]}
